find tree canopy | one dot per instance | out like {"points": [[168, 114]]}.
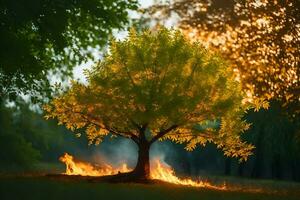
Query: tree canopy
{"points": [[157, 86], [260, 38], [38, 35]]}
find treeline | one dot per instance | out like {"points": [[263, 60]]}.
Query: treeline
{"points": [[26, 139], [29, 143], [275, 135]]}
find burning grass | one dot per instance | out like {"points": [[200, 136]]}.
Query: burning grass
{"points": [[63, 186], [160, 172], [88, 184], [75, 167]]}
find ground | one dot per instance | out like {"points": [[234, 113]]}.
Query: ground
{"points": [[45, 187]]}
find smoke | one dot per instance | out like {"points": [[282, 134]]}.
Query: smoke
{"points": [[161, 150], [118, 151]]}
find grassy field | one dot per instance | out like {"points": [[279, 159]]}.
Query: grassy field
{"points": [[40, 188]]}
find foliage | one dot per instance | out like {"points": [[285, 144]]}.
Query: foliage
{"points": [[27, 139], [15, 151], [157, 85], [276, 139], [260, 38], [37, 36]]}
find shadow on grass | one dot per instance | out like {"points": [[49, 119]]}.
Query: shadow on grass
{"points": [[77, 187]]}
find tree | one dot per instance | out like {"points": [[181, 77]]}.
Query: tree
{"points": [[37, 36], [276, 142], [157, 86], [260, 38], [27, 141], [15, 151]]}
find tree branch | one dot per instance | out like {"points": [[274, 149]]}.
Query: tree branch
{"points": [[118, 133], [162, 133], [131, 136]]}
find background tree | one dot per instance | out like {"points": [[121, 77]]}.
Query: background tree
{"points": [[37, 36], [260, 38], [157, 86], [276, 141], [14, 149], [27, 141]]}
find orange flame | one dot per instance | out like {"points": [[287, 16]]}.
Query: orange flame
{"points": [[159, 170], [164, 172], [86, 169]]}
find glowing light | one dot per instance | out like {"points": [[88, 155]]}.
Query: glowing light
{"points": [[164, 172], [74, 167], [159, 170]]}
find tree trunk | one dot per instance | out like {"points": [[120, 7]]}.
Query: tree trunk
{"points": [[241, 169], [295, 170], [259, 156], [142, 169], [276, 167], [227, 170]]}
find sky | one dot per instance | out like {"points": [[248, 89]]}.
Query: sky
{"points": [[78, 70]]}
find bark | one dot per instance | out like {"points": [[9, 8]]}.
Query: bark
{"points": [[141, 172], [142, 169]]}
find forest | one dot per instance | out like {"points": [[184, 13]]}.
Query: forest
{"points": [[207, 90]]}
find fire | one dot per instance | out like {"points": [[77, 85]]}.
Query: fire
{"points": [[164, 172], [86, 169], [159, 170]]}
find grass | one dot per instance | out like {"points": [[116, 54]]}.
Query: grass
{"points": [[43, 188]]}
